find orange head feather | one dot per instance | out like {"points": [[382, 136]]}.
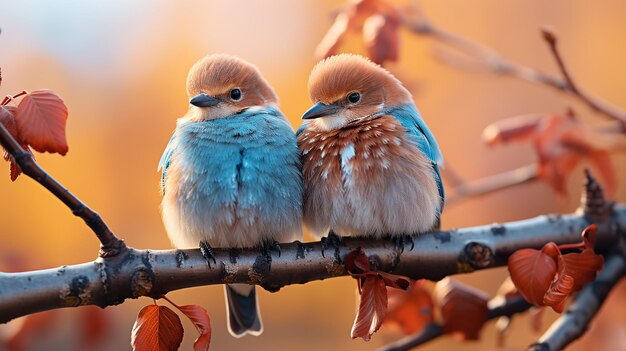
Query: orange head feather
{"points": [[334, 80], [216, 77]]}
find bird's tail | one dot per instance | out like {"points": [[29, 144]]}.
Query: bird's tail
{"points": [[243, 310]]}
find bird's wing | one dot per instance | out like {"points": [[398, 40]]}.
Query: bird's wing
{"points": [[302, 128], [419, 133], [411, 119], [164, 163]]}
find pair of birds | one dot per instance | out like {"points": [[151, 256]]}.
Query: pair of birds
{"points": [[234, 175]]}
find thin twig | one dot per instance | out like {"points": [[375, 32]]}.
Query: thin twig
{"points": [[575, 321], [491, 184], [498, 308], [110, 244], [496, 63]]}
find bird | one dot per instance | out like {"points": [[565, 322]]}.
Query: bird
{"points": [[370, 164], [231, 173]]}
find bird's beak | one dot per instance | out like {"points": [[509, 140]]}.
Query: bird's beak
{"points": [[320, 110], [203, 100]]}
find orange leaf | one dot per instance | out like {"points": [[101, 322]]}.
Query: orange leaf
{"points": [[532, 271], [357, 262], [157, 328], [517, 128], [372, 308], [463, 308], [582, 266], [200, 318], [559, 290], [410, 310], [8, 120], [380, 36], [41, 118]]}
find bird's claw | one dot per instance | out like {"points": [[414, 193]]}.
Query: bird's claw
{"points": [[332, 240], [268, 246], [401, 241], [207, 252]]}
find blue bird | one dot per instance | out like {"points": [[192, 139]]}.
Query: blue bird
{"points": [[231, 173], [370, 163]]}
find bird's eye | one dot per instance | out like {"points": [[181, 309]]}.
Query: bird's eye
{"points": [[235, 94], [354, 97]]}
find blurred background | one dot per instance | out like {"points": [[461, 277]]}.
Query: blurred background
{"points": [[121, 67]]}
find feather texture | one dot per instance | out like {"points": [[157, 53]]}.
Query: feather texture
{"points": [[368, 178], [233, 181]]}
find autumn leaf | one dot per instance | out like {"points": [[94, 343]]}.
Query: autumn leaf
{"points": [[8, 120], [463, 308], [372, 309], [410, 310], [380, 36], [157, 328], [378, 22], [561, 143], [547, 277], [559, 290], [532, 271], [357, 262], [514, 129], [40, 117], [200, 319], [373, 293]]}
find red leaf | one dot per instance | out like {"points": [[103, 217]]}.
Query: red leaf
{"points": [[357, 262], [463, 308], [517, 128], [380, 36], [559, 290], [157, 328], [41, 118], [200, 318], [532, 271], [583, 266], [8, 120], [394, 281], [410, 310], [372, 308]]}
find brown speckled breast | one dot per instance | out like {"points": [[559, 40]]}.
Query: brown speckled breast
{"points": [[364, 178]]}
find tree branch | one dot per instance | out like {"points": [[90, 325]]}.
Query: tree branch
{"points": [[575, 320], [110, 244], [133, 273], [493, 61], [490, 184], [498, 307]]}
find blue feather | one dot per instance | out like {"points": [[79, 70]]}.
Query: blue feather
{"points": [[164, 162], [410, 118], [247, 160]]}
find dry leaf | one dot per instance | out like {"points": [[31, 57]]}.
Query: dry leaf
{"points": [[410, 310], [40, 117], [558, 291], [532, 271], [200, 319], [157, 328], [561, 143], [372, 308], [381, 38], [514, 129], [463, 308]]}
